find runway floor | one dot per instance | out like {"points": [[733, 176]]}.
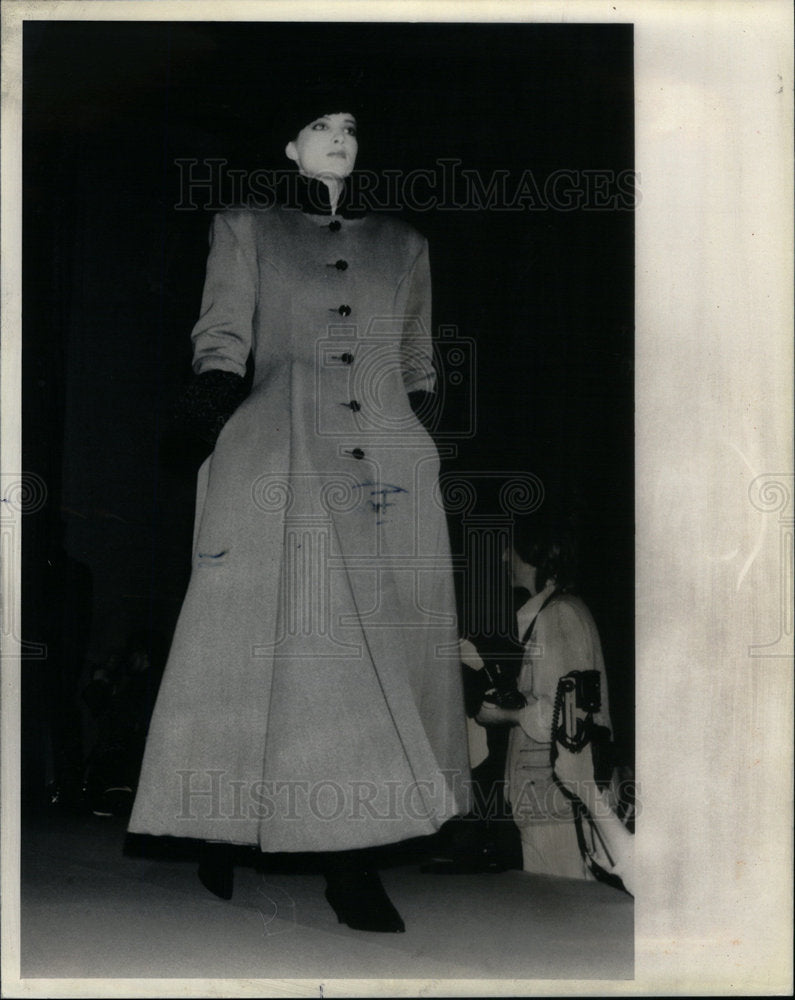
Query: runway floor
{"points": [[90, 910]]}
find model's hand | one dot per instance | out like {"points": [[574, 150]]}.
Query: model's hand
{"points": [[417, 399], [207, 402]]}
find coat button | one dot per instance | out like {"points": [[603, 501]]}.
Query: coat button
{"points": [[335, 226], [344, 310], [357, 453], [346, 359], [341, 265]]}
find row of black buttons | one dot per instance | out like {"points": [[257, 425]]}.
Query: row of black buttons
{"points": [[347, 359]]}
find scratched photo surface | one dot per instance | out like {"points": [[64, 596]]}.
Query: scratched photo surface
{"points": [[510, 148]]}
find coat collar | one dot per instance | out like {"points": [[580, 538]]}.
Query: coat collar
{"points": [[312, 197]]}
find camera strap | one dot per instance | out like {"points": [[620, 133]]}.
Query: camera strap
{"points": [[581, 820], [529, 630]]}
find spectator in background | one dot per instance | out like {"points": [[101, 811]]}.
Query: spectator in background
{"points": [[559, 635]]}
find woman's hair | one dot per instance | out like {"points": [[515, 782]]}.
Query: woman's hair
{"points": [[549, 544]]}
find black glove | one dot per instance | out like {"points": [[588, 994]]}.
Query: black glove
{"points": [[207, 402], [417, 399]]}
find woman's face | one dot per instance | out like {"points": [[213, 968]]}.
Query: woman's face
{"points": [[327, 146]]}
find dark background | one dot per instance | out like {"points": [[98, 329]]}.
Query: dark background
{"points": [[112, 278]]}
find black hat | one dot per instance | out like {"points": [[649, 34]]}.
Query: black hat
{"points": [[322, 95]]}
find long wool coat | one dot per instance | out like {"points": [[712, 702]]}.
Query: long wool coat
{"points": [[312, 698]]}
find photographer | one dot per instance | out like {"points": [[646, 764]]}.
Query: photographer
{"points": [[559, 635]]}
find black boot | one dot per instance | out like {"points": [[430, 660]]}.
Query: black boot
{"points": [[360, 901], [216, 869]]}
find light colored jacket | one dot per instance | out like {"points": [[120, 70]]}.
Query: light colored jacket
{"points": [[564, 638]]}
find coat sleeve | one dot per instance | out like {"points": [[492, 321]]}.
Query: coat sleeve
{"points": [[222, 335], [416, 349]]}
